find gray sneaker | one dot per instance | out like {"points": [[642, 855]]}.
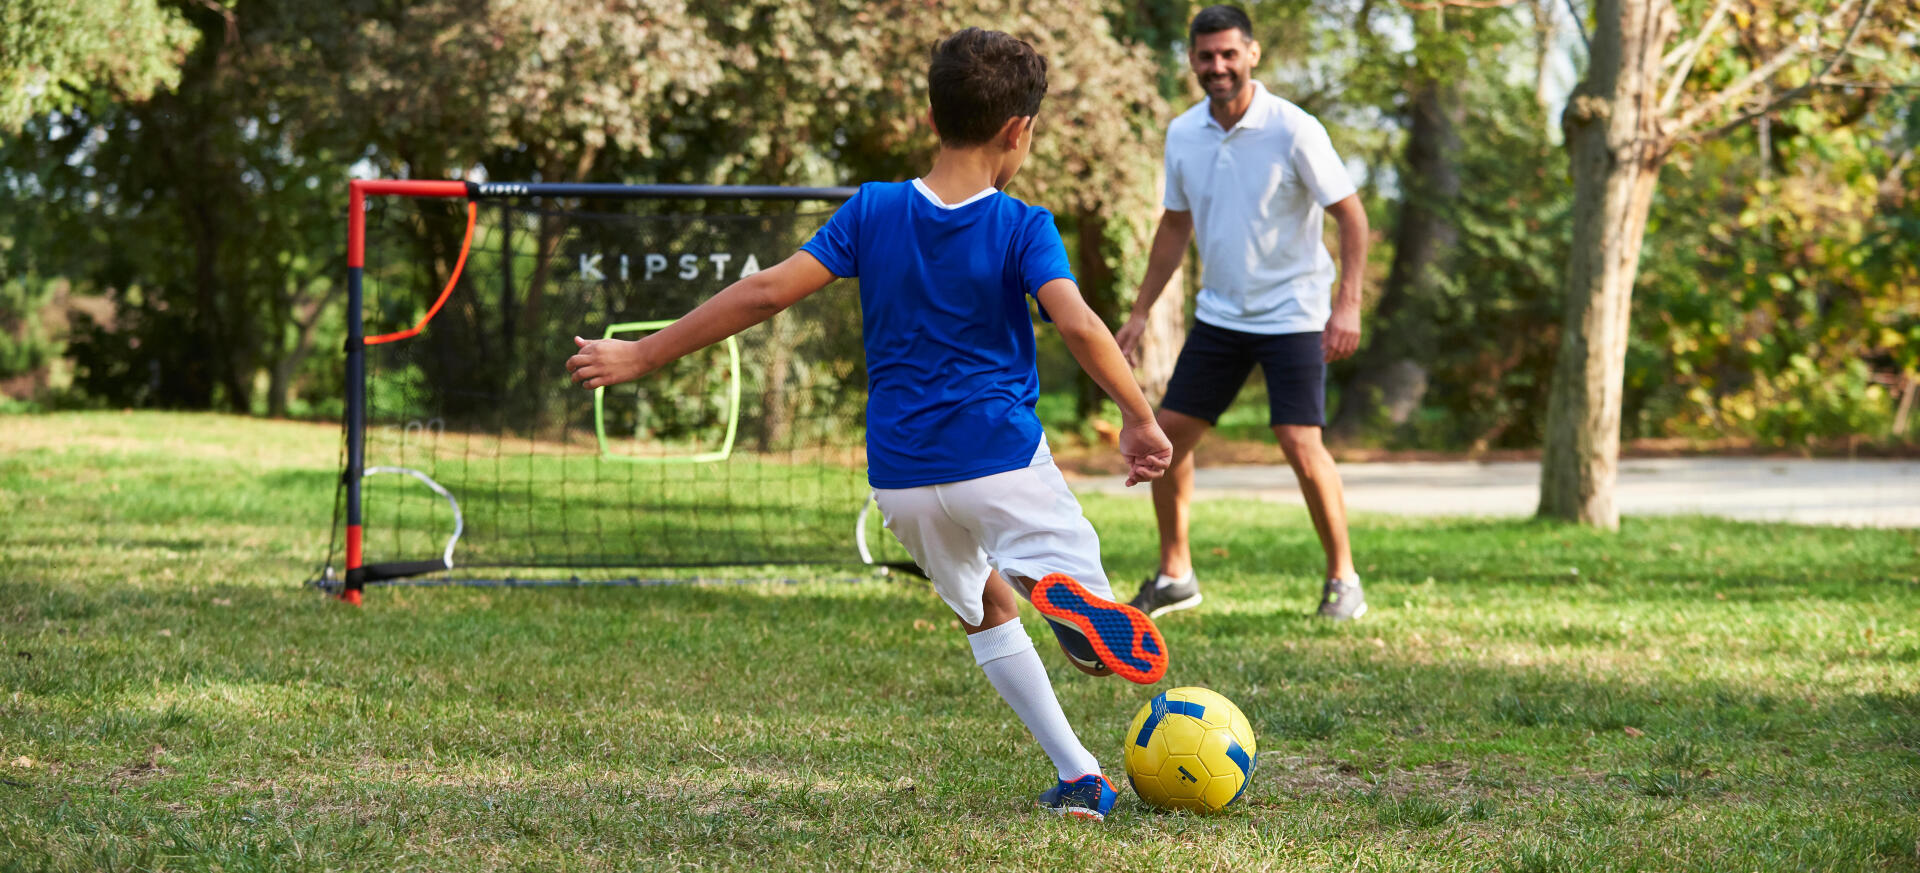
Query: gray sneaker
{"points": [[1342, 599], [1160, 595]]}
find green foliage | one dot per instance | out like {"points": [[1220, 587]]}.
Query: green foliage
{"points": [[1777, 299], [204, 214], [1776, 294], [25, 345], [1496, 318], [55, 53], [1485, 328]]}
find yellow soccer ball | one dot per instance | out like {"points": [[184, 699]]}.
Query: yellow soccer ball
{"points": [[1190, 749]]}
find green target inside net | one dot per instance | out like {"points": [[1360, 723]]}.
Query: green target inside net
{"points": [[686, 449]]}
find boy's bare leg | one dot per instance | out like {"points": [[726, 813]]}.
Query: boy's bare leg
{"points": [[999, 604], [1320, 483], [1173, 493], [1005, 653]]}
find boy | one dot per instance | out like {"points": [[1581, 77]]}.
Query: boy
{"points": [[955, 453]]}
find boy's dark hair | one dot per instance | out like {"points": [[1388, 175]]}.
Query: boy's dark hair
{"points": [[980, 78], [1214, 19]]}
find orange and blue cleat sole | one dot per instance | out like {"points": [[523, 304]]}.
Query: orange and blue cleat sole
{"points": [[1124, 637]]}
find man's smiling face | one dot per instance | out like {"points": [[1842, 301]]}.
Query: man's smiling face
{"points": [[1223, 62]]}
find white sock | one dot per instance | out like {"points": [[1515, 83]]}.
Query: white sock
{"points": [[1006, 653], [1163, 580]]}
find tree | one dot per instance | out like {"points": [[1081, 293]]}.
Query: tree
{"points": [[828, 87], [1766, 308], [56, 53], [1622, 124], [1392, 375]]}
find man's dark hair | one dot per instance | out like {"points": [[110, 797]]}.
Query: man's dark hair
{"points": [[1214, 19], [978, 80]]}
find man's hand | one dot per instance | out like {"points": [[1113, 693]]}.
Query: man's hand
{"points": [[606, 362], [1129, 339], [1342, 335], [1147, 450]]}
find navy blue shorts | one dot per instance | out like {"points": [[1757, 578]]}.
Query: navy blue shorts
{"points": [[1215, 362]]}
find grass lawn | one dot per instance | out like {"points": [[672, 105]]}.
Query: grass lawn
{"points": [[1687, 694]]}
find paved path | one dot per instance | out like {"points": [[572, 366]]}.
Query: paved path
{"points": [[1859, 493]]}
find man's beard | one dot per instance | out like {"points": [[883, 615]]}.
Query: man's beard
{"points": [[1231, 82]]}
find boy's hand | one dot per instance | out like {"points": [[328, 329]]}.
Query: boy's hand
{"points": [[606, 362], [1147, 450], [1129, 339]]}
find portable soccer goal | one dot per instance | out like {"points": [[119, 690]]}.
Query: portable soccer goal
{"points": [[470, 457]]}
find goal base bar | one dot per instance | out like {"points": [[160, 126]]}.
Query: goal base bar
{"points": [[335, 586]]}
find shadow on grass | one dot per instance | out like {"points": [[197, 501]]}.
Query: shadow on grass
{"points": [[848, 681]]}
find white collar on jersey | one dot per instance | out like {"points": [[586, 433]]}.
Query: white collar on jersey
{"points": [[935, 198]]}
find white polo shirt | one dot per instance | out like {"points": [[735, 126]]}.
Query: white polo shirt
{"points": [[1258, 194]]}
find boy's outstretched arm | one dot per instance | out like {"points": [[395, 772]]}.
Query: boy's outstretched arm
{"points": [[1141, 441], [743, 304]]}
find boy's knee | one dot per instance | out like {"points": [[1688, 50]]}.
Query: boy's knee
{"points": [[998, 605]]}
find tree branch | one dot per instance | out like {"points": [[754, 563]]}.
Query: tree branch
{"points": [[1580, 27], [233, 21], [1700, 111], [1685, 54], [1459, 4]]}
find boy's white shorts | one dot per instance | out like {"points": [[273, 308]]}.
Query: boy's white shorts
{"points": [[1022, 522]]}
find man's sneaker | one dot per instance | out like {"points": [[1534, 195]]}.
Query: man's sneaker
{"points": [[1090, 797], [1160, 595], [1342, 599], [1124, 639]]}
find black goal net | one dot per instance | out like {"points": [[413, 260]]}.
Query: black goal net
{"points": [[482, 461]]}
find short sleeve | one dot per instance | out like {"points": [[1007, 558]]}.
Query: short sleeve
{"points": [[1043, 257], [836, 245], [1319, 166], [1175, 197]]}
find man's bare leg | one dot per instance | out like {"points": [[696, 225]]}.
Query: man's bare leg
{"points": [[1173, 493], [1320, 483]]}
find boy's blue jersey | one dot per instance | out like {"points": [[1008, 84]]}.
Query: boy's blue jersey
{"points": [[951, 382]]}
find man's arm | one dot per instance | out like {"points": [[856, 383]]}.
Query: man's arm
{"points": [[1342, 335], [1141, 441], [1169, 248], [741, 305]]}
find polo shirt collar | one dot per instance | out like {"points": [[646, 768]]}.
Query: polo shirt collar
{"points": [[1258, 112]]}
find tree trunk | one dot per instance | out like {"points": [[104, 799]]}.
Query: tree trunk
{"points": [[1097, 286], [1392, 373], [280, 388], [1545, 31], [1616, 149], [776, 408], [1166, 324], [1166, 333]]}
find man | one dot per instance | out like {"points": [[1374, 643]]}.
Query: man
{"points": [[1253, 175]]}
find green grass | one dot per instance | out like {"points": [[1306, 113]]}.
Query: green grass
{"points": [[1701, 695]]}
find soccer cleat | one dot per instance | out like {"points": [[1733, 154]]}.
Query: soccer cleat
{"points": [[1342, 600], [1123, 638], [1158, 598], [1076, 647], [1090, 797]]}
